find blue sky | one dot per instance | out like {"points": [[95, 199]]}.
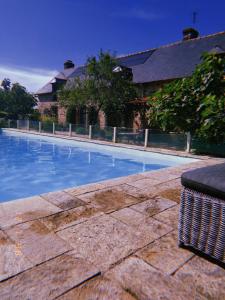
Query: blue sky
{"points": [[36, 36]]}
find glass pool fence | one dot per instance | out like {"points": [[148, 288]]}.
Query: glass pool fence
{"points": [[140, 137]]}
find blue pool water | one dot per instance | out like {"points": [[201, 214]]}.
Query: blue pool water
{"points": [[31, 165]]}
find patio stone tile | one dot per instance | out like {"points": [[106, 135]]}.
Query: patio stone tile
{"points": [[48, 280], [98, 288], [175, 171], [164, 254], [147, 229], [102, 240], [153, 190], [133, 191], [37, 242], [206, 277], [145, 183], [169, 216], [172, 194], [109, 200], [162, 175], [84, 189], [129, 216], [170, 190], [146, 283], [18, 211], [63, 200], [12, 260], [150, 230], [153, 206], [70, 217], [122, 180]]}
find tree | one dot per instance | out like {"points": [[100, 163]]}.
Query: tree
{"points": [[104, 86], [194, 104], [15, 101], [6, 84]]}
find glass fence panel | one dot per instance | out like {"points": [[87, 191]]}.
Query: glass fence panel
{"points": [[130, 136], [13, 124], [47, 127], [34, 125], [199, 146], [104, 134], [62, 129], [175, 141], [4, 123], [22, 124], [79, 130]]}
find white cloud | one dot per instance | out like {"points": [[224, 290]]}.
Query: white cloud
{"points": [[139, 13], [32, 78]]}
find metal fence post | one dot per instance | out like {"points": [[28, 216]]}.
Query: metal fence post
{"points": [[9, 121], [28, 125], [90, 131], [188, 148], [114, 134], [17, 124], [39, 127], [70, 129], [53, 128], [146, 138]]}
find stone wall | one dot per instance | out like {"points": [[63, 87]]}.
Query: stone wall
{"points": [[146, 89], [62, 114], [45, 105]]}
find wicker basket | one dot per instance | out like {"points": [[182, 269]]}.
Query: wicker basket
{"points": [[202, 224]]}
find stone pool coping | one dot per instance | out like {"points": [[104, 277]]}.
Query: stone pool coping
{"points": [[116, 239]]}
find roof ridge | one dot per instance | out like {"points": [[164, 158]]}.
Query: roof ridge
{"points": [[171, 44]]}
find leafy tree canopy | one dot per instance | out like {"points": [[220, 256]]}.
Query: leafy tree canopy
{"points": [[195, 104], [15, 101], [104, 86]]}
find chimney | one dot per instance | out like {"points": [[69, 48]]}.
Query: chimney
{"points": [[189, 34], [68, 64]]}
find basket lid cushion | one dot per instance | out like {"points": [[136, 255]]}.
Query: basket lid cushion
{"points": [[208, 180]]}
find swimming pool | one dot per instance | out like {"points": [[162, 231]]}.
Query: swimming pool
{"points": [[32, 164]]}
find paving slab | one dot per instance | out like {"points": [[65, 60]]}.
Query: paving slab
{"points": [[169, 216], [164, 254], [102, 240], [164, 176], [98, 288], [18, 211], [129, 216], [87, 188], [122, 180], [12, 260], [207, 278], [153, 189], [70, 217], [146, 183], [153, 206], [170, 190], [133, 191], [172, 194], [146, 283], [48, 280], [147, 229], [63, 200], [109, 200], [37, 242]]}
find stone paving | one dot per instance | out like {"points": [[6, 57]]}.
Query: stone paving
{"points": [[116, 239]]}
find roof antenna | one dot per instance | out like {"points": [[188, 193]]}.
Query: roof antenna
{"points": [[194, 17]]}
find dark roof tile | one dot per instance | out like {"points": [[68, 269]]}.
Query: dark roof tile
{"points": [[171, 61]]}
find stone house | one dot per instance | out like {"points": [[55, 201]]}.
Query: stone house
{"points": [[151, 69]]}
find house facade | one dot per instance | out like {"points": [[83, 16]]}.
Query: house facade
{"points": [[151, 69]]}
